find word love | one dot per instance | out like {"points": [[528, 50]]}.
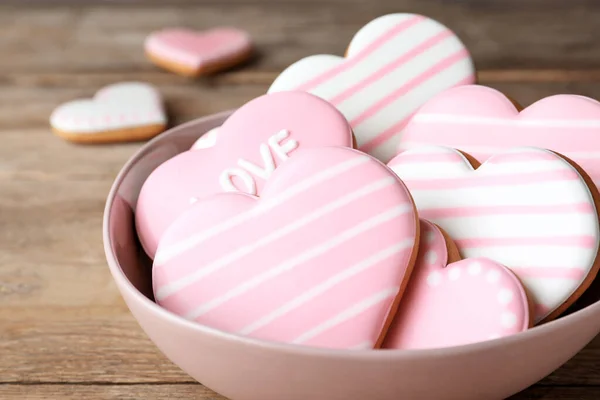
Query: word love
{"points": [[247, 170]]}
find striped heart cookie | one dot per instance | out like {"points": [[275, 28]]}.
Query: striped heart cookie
{"points": [[320, 259], [393, 65], [121, 112], [452, 303], [482, 121], [251, 144], [526, 208]]}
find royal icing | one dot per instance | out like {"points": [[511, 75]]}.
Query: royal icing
{"points": [[526, 208], [252, 142], [463, 302], [195, 49], [393, 65], [209, 139], [318, 259], [114, 107], [482, 121]]}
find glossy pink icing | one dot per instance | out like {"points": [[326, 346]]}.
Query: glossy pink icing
{"points": [[317, 260], [526, 208], [464, 302], [250, 146], [482, 121], [194, 48]]}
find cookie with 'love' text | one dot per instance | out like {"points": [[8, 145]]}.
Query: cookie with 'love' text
{"points": [[251, 144]]}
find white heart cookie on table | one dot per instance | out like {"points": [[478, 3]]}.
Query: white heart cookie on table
{"points": [[526, 208], [125, 111], [393, 65]]}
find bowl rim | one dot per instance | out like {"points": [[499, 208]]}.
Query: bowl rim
{"points": [[124, 284]]}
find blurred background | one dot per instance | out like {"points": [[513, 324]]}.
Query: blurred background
{"points": [[64, 330]]}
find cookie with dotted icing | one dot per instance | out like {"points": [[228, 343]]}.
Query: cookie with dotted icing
{"points": [[392, 66], [526, 208], [121, 112], [452, 302], [320, 259], [193, 53], [252, 143], [482, 121]]}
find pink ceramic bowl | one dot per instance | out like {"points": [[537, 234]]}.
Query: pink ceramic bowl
{"points": [[247, 369]]}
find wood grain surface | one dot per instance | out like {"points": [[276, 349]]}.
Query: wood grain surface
{"points": [[65, 333]]}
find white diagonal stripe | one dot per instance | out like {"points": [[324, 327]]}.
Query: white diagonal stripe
{"points": [[326, 285], [173, 287], [347, 314], [163, 255], [300, 259]]}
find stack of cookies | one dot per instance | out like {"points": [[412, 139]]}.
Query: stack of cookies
{"points": [[379, 200]]}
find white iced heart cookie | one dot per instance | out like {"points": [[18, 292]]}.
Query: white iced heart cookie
{"points": [[120, 112], [393, 65], [526, 208]]}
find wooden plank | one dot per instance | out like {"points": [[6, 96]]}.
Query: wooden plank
{"points": [[199, 392], [500, 35]]}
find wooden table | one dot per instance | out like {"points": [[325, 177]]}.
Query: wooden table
{"points": [[65, 333]]}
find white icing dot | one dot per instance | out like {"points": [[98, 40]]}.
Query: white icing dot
{"points": [[493, 276], [431, 257], [193, 200], [508, 319], [505, 296], [454, 274], [493, 336], [434, 278], [474, 268]]}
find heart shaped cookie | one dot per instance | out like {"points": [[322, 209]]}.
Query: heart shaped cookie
{"points": [[321, 259], [121, 112], [482, 121], [452, 303], [191, 53], [527, 208], [393, 65], [252, 142], [209, 139]]}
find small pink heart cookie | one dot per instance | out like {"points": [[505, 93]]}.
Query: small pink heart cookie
{"points": [[252, 142], [192, 53], [526, 208], [320, 259], [121, 112], [482, 122], [455, 303]]}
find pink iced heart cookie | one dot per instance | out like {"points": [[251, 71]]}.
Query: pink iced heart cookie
{"points": [[192, 53], [393, 65], [482, 121], [321, 259], [455, 303], [252, 142], [121, 112], [526, 208]]}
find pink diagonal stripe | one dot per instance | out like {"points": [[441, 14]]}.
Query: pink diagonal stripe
{"points": [[475, 181], [394, 129], [471, 211], [550, 272], [526, 156], [434, 70], [352, 61], [386, 69], [583, 241]]}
